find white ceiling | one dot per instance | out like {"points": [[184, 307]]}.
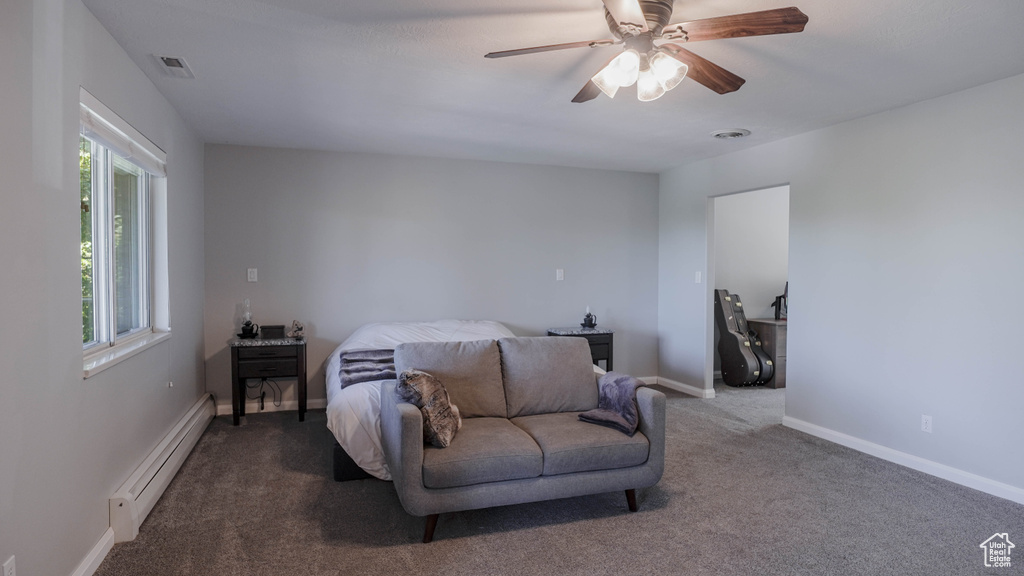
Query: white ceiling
{"points": [[409, 76]]}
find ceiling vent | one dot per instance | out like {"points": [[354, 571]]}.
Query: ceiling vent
{"points": [[174, 66], [730, 134]]}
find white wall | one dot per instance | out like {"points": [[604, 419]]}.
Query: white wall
{"points": [[67, 443], [344, 239], [905, 254], [751, 249]]}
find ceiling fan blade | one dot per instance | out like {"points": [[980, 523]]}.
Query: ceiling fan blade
{"points": [[590, 90], [627, 12], [778, 21], [704, 71], [552, 47], [588, 93]]}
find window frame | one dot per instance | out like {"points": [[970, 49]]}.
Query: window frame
{"points": [[112, 137]]}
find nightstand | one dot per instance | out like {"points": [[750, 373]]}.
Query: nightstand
{"points": [[600, 341], [274, 358]]}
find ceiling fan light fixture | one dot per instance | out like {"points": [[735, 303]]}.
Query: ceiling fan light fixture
{"points": [[622, 71], [669, 71], [648, 87]]}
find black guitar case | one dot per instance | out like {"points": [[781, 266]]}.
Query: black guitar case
{"points": [[740, 367], [767, 367]]}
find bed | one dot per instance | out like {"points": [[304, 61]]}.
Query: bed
{"points": [[353, 412]]}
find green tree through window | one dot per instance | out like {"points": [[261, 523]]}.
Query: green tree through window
{"points": [[85, 186]]}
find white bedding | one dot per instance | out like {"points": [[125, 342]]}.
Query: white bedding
{"points": [[353, 414]]}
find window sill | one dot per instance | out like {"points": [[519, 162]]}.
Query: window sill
{"points": [[96, 362]]}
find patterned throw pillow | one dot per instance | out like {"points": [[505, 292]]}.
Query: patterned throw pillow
{"points": [[441, 418]]}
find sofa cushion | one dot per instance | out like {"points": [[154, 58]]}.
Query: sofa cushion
{"points": [[570, 445], [470, 371], [484, 450], [547, 374]]}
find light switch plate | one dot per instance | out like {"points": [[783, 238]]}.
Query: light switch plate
{"points": [[559, 274], [251, 276]]}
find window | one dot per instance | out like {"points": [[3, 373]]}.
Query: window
{"points": [[115, 245], [121, 186]]}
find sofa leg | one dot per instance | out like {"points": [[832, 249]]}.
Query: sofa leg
{"points": [[631, 499], [428, 534]]}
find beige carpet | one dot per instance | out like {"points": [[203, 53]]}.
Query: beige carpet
{"points": [[741, 495]]}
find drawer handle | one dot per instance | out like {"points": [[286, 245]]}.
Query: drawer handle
{"points": [[266, 354], [270, 369]]}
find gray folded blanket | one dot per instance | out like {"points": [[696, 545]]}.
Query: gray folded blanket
{"points": [[366, 365], [616, 404]]}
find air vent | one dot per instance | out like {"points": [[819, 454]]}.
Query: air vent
{"points": [[174, 66], [730, 134]]}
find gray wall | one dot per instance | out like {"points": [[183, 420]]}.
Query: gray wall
{"points": [[905, 253], [66, 443], [751, 249], [344, 239]]}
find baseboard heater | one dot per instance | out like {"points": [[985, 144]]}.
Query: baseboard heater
{"points": [[134, 500]]}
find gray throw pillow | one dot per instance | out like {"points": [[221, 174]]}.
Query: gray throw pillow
{"points": [[441, 419]]}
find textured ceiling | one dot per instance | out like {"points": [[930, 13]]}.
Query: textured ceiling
{"points": [[409, 76]]}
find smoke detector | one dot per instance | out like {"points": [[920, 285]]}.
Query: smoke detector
{"points": [[174, 66], [730, 134]]}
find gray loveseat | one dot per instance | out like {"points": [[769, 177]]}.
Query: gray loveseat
{"points": [[521, 440]]}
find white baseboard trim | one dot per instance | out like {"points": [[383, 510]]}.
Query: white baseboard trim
{"points": [[685, 388], [95, 557], [132, 502], [253, 406], [943, 471]]}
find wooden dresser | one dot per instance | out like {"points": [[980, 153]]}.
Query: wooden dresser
{"points": [[773, 340]]}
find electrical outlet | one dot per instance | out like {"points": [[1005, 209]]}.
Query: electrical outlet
{"points": [[697, 277], [9, 567], [926, 423]]}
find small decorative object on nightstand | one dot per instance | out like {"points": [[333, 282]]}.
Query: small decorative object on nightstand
{"points": [[250, 329], [600, 340], [272, 332], [266, 358], [589, 321]]}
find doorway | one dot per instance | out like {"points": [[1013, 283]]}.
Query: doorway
{"points": [[748, 255]]}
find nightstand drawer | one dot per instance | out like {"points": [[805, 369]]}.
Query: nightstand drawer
{"points": [[600, 351], [599, 339], [259, 352], [267, 368]]}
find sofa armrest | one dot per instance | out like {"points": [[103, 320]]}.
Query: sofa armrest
{"points": [[401, 428], [651, 405]]}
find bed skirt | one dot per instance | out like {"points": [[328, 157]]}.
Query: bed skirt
{"points": [[345, 468]]}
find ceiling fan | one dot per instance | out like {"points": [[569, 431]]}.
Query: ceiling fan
{"points": [[656, 69]]}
